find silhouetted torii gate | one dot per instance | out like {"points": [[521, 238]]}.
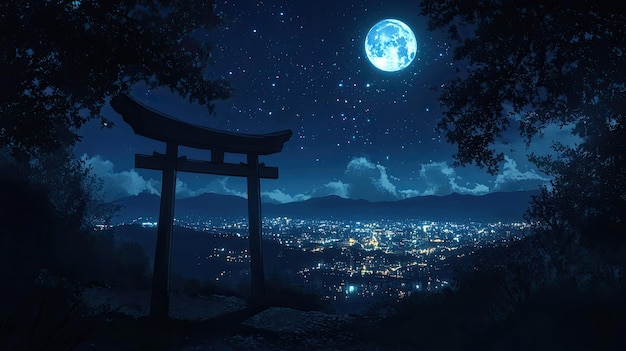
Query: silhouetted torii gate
{"points": [[155, 125]]}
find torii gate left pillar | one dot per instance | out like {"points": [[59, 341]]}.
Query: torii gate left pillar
{"points": [[155, 125]]}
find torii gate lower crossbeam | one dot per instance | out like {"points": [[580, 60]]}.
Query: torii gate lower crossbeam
{"points": [[158, 126]]}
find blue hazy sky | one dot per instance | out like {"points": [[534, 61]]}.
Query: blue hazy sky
{"points": [[358, 132]]}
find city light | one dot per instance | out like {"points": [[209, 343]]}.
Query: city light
{"points": [[379, 258]]}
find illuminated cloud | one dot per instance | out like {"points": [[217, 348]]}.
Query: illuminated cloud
{"points": [[369, 181], [282, 197], [339, 188], [362, 179], [127, 183], [439, 178], [120, 184], [333, 187], [512, 179], [406, 193], [218, 186]]}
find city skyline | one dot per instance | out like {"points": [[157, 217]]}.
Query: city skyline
{"points": [[359, 132]]}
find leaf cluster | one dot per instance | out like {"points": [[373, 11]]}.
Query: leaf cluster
{"points": [[530, 63], [62, 59]]}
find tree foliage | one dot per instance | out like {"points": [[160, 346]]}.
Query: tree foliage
{"points": [[536, 64], [533, 62], [588, 185], [62, 59], [72, 189]]}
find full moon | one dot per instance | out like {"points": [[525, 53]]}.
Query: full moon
{"points": [[390, 45]]}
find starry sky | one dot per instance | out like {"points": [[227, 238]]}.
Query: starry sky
{"points": [[358, 132]]}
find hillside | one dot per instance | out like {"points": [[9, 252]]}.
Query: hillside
{"points": [[495, 206]]}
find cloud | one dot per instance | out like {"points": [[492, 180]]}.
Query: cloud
{"points": [[362, 179], [120, 184], [365, 179], [406, 193], [369, 181], [335, 187], [478, 189], [433, 177], [339, 188], [439, 178], [360, 164], [218, 186], [182, 190], [282, 197], [512, 179], [128, 183]]}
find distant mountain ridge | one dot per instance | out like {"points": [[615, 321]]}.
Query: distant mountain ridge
{"points": [[493, 206]]}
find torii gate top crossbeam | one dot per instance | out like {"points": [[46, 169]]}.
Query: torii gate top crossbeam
{"points": [[156, 125]]}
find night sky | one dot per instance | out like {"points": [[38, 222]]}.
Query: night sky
{"points": [[358, 132]]}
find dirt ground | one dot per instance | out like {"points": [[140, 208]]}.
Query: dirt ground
{"points": [[215, 323]]}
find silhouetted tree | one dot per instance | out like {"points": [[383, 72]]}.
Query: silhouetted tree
{"points": [[535, 64], [72, 188], [62, 59]]}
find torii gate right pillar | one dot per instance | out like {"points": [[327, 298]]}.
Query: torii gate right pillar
{"points": [[160, 301], [257, 274]]}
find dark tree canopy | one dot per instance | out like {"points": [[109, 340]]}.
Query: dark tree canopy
{"points": [[531, 63], [61, 59], [535, 64]]}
